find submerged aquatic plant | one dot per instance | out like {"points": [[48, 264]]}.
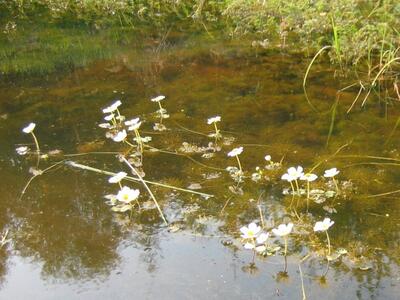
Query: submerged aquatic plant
{"points": [[29, 130], [214, 121], [308, 177], [235, 153], [283, 231], [254, 238], [323, 227], [158, 99], [331, 173]]}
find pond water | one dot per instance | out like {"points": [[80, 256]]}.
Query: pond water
{"points": [[65, 241]]}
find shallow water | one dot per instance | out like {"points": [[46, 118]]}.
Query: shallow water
{"points": [[67, 243]]}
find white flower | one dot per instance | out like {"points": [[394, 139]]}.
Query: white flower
{"points": [[288, 177], [309, 177], [29, 128], [113, 107], [262, 238], [109, 117], [214, 120], [135, 126], [22, 150], [158, 98], [120, 136], [117, 177], [324, 225], [105, 125], [127, 195], [235, 152], [268, 157], [132, 122], [251, 231], [283, 229], [331, 172], [295, 172]]}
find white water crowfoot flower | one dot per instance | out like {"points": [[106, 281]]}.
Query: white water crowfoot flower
{"points": [[120, 136], [235, 153], [268, 158], [213, 120], [309, 177], [296, 173], [251, 231], [331, 173], [117, 178], [283, 230], [324, 226], [133, 124], [29, 128], [127, 195], [113, 107], [158, 98]]}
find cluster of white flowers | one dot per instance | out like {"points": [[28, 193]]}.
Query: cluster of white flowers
{"points": [[255, 238], [297, 173], [119, 128]]}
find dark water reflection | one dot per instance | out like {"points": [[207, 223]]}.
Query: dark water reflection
{"points": [[67, 243]]}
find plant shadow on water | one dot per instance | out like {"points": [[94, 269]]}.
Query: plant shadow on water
{"points": [[65, 241]]}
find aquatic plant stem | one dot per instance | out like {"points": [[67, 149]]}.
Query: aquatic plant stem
{"points": [[297, 187], [308, 194], [293, 192], [329, 243], [37, 148], [161, 108], [240, 165], [336, 185], [88, 168], [285, 253], [148, 189]]}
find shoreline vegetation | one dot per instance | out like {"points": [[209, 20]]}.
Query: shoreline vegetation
{"points": [[356, 34]]}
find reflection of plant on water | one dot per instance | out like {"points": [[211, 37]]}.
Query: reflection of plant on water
{"points": [[299, 212]]}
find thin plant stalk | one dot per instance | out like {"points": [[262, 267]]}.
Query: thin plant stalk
{"points": [[297, 187], [293, 192], [329, 242], [88, 168], [148, 189], [161, 108], [285, 253], [37, 148], [240, 165], [308, 194], [336, 185]]}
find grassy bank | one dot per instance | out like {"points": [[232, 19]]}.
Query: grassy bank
{"points": [[357, 32]]}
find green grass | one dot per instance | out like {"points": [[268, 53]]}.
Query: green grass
{"points": [[361, 33]]}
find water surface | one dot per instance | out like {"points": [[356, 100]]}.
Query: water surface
{"points": [[67, 243]]}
